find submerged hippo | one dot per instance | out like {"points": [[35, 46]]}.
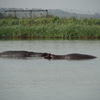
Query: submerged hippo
{"points": [[21, 54], [73, 56]]}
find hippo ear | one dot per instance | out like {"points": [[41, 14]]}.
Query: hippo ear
{"points": [[45, 54]]}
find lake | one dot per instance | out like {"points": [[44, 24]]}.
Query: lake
{"points": [[41, 79]]}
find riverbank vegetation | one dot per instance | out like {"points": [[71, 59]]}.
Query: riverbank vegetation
{"points": [[54, 27]]}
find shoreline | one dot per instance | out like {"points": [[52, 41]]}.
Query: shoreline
{"points": [[51, 38]]}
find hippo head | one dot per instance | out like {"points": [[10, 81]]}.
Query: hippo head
{"points": [[44, 54], [47, 56]]}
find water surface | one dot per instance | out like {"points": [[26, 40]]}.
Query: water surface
{"points": [[40, 79]]}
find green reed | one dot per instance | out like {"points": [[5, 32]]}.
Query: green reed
{"points": [[50, 28]]}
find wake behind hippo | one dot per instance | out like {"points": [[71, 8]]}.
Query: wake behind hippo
{"points": [[21, 54], [73, 56]]}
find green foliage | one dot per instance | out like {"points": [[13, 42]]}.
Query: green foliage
{"points": [[53, 27]]}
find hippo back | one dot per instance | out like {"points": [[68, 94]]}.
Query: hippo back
{"points": [[14, 54], [76, 56]]}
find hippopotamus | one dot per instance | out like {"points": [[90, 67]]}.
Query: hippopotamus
{"points": [[21, 54], [73, 56]]}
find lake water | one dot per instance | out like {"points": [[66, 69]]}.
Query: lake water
{"points": [[41, 79]]}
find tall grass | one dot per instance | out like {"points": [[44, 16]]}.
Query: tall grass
{"points": [[50, 28]]}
